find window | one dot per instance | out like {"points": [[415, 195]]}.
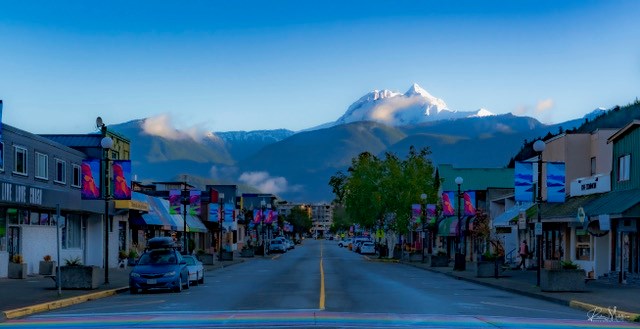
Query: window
{"points": [[624, 163], [1, 156], [42, 166], [76, 179], [583, 245], [61, 171], [20, 160], [71, 233], [593, 166]]}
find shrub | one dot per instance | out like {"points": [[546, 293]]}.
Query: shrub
{"points": [[133, 253], [73, 261], [46, 258], [17, 258], [569, 265], [122, 254]]}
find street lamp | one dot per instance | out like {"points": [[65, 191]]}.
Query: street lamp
{"points": [[185, 200], [423, 197], [539, 146], [107, 144], [459, 260], [220, 221]]}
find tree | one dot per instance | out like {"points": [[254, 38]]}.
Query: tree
{"points": [[338, 183], [300, 219]]}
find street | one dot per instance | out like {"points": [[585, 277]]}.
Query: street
{"points": [[319, 284]]}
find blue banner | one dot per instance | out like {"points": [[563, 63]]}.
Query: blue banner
{"points": [[556, 182], [1, 120], [524, 181], [214, 212], [228, 213]]}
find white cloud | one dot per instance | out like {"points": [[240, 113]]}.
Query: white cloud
{"points": [[544, 105], [264, 182], [542, 111], [163, 126]]}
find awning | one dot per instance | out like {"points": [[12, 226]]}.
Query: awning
{"points": [[194, 224], [566, 212], [616, 203], [510, 214], [448, 226], [138, 202]]}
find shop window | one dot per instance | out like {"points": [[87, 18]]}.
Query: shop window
{"points": [[20, 160], [583, 245], [42, 166], [17, 216], [3, 230], [71, 238]]}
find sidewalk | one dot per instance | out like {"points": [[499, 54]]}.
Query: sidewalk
{"points": [[600, 293], [37, 293]]}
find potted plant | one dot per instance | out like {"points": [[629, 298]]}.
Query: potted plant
{"points": [[247, 251], [46, 266], [75, 275], [17, 267], [205, 257], [131, 257], [439, 259], [569, 277], [488, 265]]}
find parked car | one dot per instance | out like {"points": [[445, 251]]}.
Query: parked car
{"points": [[345, 242], [277, 245], [161, 266], [290, 244], [367, 248], [195, 268]]}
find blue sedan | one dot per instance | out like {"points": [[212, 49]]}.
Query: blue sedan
{"points": [[159, 269]]}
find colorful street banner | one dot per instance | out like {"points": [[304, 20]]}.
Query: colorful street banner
{"points": [[257, 216], [121, 179], [228, 213], [431, 211], [90, 169], [416, 210], [448, 203], [214, 212], [0, 119], [195, 206], [555, 182], [174, 202], [268, 216], [524, 181], [469, 203]]}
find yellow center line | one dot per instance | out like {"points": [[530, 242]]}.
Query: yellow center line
{"points": [[322, 297]]}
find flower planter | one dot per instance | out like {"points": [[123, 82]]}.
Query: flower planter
{"points": [[206, 259], [226, 255], [17, 271], [46, 267], [247, 252], [439, 261], [488, 268], [79, 277], [415, 257], [562, 280]]}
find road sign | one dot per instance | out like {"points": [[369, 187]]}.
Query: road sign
{"points": [[581, 215], [538, 228]]}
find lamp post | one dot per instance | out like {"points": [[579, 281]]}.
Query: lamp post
{"points": [[539, 146], [185, 200], [423, 197], [264, 243], [459, 260], [220, 221], [106, 143]]}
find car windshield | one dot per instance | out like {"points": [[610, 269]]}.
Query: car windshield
{"points": [[158, 257], [190, 260]]}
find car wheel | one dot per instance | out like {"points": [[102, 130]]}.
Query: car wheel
{"points": [[133, 290], [202, 278], [178, 287], [195, 282], [187, 285]]}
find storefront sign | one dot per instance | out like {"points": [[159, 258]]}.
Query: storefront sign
{"points": [[590, 185], [20, 194]]}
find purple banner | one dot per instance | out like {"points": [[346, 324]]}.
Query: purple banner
{"points": [[195, 206], [91, 179], [431, 210], [121, 179], [469, 203], [257, 216], [448, 203], [174, 202], [416, 210]]}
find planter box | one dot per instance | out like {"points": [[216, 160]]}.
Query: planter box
{"points": [[206, 259], [226, 255], [562, 280], [552, 264], [488, 268], [17, 271], [439, 261], [79, 277], [247, 253], [46, 268], [415, 257]]}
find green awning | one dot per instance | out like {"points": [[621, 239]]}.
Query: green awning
{"points": [[617, 203]]}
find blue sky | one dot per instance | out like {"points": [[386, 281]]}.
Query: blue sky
{"points": [[243, 65]]}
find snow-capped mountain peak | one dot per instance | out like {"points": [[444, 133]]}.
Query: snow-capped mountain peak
{"points": [[482, 112]]}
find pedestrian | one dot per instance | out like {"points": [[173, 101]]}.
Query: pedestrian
{"points": [[524, 252]]}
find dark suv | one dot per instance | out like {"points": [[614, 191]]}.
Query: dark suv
{"points": [[160, 267]]}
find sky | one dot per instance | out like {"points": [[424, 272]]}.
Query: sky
{"points": [[244, 65]]}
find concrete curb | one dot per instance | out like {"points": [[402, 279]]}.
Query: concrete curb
{"points": [[48, 306], [381, 260], [631, 317]]}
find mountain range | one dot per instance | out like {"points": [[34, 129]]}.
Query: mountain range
{"points": [[297, 166]]}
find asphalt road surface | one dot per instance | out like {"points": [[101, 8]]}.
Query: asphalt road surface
{"points": [[319, 285]]}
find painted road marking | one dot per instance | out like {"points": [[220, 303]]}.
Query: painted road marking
{"points": [[322, 296]]}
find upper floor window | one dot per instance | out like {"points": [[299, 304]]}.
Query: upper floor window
{"points": [[20, 160], [42, 166], [1, 156], [61, 171], [75, 181], [624, 167]]}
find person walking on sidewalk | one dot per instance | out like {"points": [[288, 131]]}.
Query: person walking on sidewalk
{"points": [[524, 252]]}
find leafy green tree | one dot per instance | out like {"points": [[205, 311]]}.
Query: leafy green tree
{"points": [[300, 219]]}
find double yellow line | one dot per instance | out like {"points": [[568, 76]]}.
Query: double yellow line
{"points": [[322, 296]]}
